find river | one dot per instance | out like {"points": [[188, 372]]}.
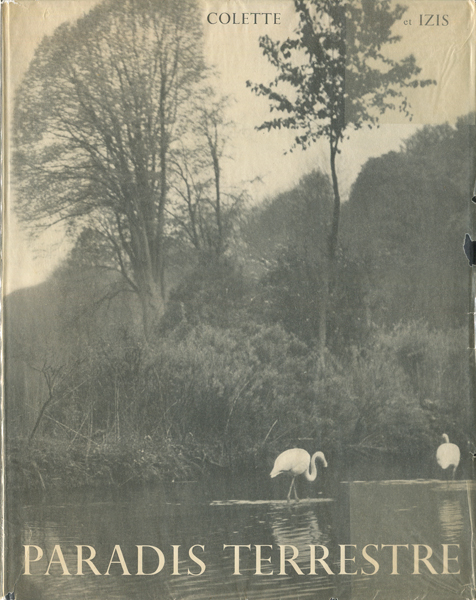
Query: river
{"points": [[311, 549]]}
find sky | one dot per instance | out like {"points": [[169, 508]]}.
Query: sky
{"points": [[444, 52]]}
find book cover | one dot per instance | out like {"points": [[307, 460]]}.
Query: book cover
{"points": [[238, 321]]}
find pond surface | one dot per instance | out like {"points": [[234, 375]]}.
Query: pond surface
{"points": [[324, 536]]}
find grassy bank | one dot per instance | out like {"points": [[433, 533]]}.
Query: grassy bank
{"points": [[55, 464]]}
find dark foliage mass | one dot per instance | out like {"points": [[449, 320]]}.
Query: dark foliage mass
{"points": [[413, 210]]}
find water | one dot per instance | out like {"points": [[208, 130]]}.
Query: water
{"points": [[177, 517]]}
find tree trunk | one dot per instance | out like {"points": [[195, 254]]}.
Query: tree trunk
{"points": [[50, 376], [323, 313], [152, 306], [336, 212], [39, 419], [216, 170], [329, 268], [163, 190]]}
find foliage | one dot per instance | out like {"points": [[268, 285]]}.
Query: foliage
{"points": [[214, 292], [436, 364], [224, 386], [332, 75], [346, 78], [290, 295], [204, 396], [234, 375], [298, 218], [286, 238], [58, 463], [406, 216]]}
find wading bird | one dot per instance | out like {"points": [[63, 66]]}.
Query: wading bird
{"points": [[297, 461], [448, 455]]}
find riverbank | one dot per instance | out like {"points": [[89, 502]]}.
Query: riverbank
{"points": [[54, 464]]}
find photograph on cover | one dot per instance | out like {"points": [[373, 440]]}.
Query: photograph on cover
{"points": [[237, 315]]}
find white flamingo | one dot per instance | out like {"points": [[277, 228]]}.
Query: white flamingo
{"points": [[297, 461], [448, 455]]}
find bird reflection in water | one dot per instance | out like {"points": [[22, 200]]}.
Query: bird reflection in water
{"points": [[297, 527], [450, 513]]}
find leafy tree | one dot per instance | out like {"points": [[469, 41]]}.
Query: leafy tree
{"points": [[97, 117], [334, 75]]}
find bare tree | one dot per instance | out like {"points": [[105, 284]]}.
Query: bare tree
{"points": [[96, 120], [205, 211]]}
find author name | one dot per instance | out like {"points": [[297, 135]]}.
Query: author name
{"points": [[245, 18], [392, 559]]}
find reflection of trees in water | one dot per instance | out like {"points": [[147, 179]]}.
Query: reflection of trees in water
{"points": [[298, 527], [450, 514]]}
